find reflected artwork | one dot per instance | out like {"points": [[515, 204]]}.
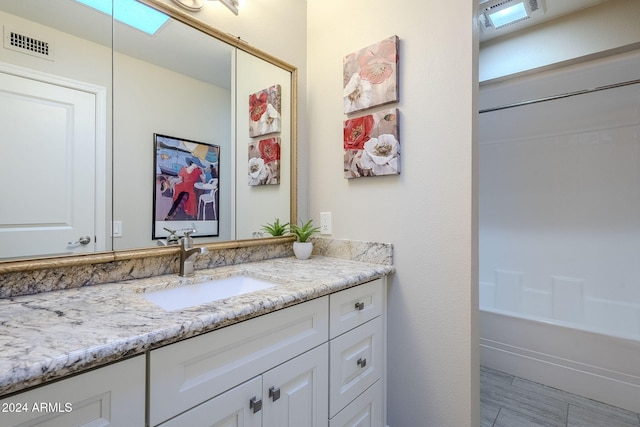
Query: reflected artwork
{"points": [[264, 162], [186, 187], [264, 111]]}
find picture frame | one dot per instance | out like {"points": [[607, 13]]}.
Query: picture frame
{"points": [[186, 191]]}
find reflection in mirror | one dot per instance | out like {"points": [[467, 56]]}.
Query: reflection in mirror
{"points": [[260, 204], [55, 83], [176, 83]]}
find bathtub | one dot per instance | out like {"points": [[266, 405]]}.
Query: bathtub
{"points": [[562, 355]]}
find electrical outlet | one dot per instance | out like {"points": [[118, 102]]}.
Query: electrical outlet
{"points": [[325, 222]]}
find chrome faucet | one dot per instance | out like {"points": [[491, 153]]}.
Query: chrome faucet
{"points": [[187, 251]]}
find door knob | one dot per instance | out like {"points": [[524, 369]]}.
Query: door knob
{"points": [[84, 240]]}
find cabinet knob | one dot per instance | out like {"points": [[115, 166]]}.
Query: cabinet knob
{"points": [[274, 393], [255, 404], [359, 306], [362, 362]]}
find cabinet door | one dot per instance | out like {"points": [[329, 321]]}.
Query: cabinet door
{"points": [[356, 360], [113, 396], [365, 411], [296, 393], [230, 409]]}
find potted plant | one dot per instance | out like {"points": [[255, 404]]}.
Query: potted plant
{"points": [[275, 228], [302, 247]]}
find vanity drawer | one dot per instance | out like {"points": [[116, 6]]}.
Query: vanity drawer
{"points": [[355, 306], [357, 362], [184, 374]]}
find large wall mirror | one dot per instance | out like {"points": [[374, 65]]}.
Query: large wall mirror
{"points": [[105, 120]]}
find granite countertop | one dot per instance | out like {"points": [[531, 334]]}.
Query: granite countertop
{"points": [[50, 335]]}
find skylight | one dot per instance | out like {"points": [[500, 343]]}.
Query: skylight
{"points": [[508, 15], [131, 12]]}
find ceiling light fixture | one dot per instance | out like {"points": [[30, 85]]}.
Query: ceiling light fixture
{"points": [[495, 14]]}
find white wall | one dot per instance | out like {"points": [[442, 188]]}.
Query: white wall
{"points": [[428, 211], [610, 25]]}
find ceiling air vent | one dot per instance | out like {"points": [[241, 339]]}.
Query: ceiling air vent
{"points": [[20, 42]]}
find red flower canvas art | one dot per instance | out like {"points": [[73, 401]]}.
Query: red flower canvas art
{"points": [[264, 111], [264, 162], [371, 146]]}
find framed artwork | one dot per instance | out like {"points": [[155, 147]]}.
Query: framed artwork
{"points": [[186, 187], [371, 145], [264, 111], [264, 162], [370, 76]]}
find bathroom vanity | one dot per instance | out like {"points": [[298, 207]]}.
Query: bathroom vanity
{"points": [[309, 351]]}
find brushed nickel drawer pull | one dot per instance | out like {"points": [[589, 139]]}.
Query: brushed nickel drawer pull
{"points": [[255, 404], [274, 393]]}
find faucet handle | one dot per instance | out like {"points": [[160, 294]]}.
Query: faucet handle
{"points": [[189, 232]]}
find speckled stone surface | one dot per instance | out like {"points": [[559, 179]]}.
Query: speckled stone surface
{"points": [[49, 335]]}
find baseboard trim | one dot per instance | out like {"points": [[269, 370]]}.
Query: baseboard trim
{"points": [[585, 380]]}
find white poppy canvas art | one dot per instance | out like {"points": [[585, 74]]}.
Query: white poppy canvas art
{"points": [[264, 111], [264, 162], [371, 145], [370, 76]]}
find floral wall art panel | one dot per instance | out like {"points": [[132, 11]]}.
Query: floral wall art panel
{"points": [[264, 162], [371, 145], [370, 76], [264, 111]]}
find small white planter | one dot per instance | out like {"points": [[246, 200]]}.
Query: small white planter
{"points": [[302, 250]]}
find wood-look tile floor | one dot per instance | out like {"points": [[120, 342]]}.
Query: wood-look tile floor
{"points": [[508, 401]]}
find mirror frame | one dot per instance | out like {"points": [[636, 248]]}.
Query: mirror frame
{"points": [[26, 264]]}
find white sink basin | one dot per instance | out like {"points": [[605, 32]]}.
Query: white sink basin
{"points": [[204, 292]]}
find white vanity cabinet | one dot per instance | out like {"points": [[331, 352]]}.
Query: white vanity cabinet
{"points": [[293, 394], [111, 396], [268, 351], [357, 356], [319, 363]]}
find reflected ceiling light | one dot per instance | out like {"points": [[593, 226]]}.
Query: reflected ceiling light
{"points": [[132, 13]]}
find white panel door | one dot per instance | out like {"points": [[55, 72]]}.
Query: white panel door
{"points": [[295, 394], [48, 140]]}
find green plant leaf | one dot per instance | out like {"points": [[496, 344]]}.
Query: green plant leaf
{"points": [[304, 231], [275, 228]]}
